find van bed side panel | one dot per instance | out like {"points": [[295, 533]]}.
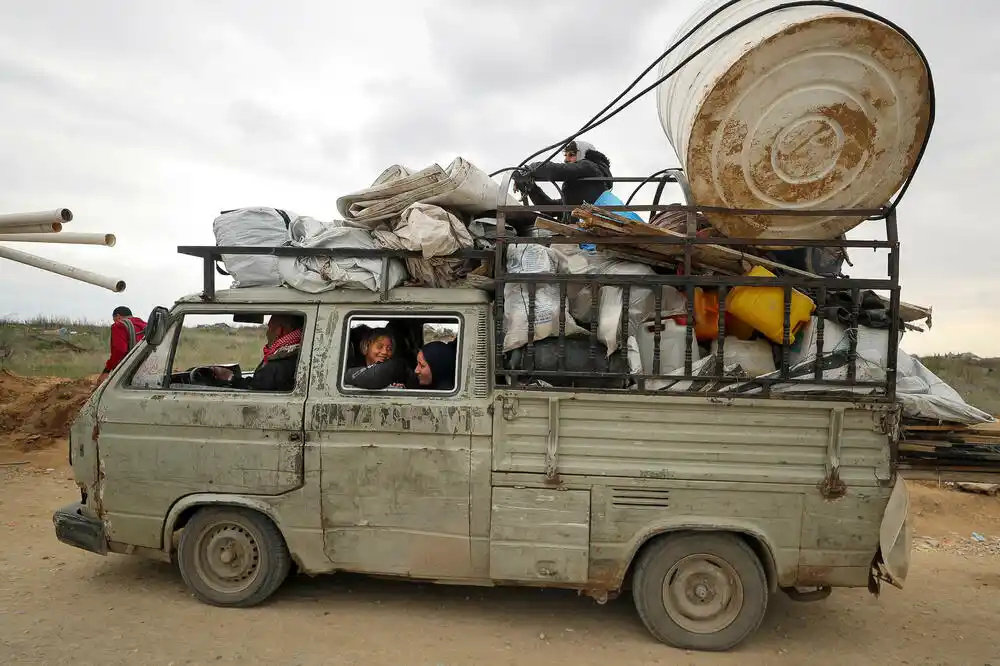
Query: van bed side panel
{"points": [[650, 437]]}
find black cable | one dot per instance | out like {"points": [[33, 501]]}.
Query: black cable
{"points": [[648, 69], [630, 86], [640, 185], [732, 29], [636, 81], [593, 124]]}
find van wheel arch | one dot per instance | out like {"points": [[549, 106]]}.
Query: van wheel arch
{"points": [[177, 520], [756, 543]]}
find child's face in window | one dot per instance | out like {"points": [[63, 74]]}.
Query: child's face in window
{"points": [[379, 350]]}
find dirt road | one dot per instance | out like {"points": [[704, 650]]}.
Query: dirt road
{"points": [[63, 606]]}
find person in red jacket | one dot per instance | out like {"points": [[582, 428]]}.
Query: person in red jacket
{"points": [[126, 331]]}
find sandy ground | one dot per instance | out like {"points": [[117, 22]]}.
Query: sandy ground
{"points": [[63, 606]]}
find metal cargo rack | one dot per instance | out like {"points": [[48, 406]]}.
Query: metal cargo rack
{"points": [[879, 391], [820, 387]]}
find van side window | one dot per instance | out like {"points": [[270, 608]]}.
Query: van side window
{"points": [[226, 352], [406, 353]]}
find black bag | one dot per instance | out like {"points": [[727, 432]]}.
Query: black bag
{"points": [[576, 359]]}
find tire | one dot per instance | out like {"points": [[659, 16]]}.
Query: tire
{"points": [[232, 557], [700, 591]]}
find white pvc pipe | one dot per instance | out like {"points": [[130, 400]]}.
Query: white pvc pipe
{"points": [[108, 240], [42, 217], [65, 270], [50, 228]]}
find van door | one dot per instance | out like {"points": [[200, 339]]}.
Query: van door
{"points": [[405, 473], [164, 435]]}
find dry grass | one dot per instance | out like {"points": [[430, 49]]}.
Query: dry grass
{"points": [[976, 379], [52, 348]]}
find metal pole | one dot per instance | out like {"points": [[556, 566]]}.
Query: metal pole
{"points": [[65, 270], [59, 215], [107, 240], [892, 352], [49, 228]]}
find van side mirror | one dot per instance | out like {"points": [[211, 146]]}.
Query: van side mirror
{"points": [[156, 326]]}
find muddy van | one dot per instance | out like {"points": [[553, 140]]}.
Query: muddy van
{"points": [[703, 504]]}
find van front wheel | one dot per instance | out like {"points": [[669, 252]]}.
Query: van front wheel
{"points": [[232, 557], [700, 591]]}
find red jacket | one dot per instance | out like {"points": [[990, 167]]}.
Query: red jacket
{"points": [[120, 341]]}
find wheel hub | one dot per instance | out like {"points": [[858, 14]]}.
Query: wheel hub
{"points": [[228, 557], [702, 593]]}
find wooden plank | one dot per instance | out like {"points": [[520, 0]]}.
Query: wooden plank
{"points": [[980, 441], [558, 228], [910, 313], [940, 443], [715, 256], [638, 257], [627, 252], [986, 428], [917, 448], [933, 428], [942, 475]]}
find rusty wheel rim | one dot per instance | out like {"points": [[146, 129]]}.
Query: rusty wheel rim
{"points": [[702, 594], [228, 557]]}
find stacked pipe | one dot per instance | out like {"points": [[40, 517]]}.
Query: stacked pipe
{"points": [[46, 227]]}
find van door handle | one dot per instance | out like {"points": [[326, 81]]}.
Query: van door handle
{"points": [[295, 437]]}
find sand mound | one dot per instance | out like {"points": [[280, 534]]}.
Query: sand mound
{"points": [[36, 412]]}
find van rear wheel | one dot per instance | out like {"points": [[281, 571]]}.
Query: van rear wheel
{"points": [[700, 591], [232, 557]]}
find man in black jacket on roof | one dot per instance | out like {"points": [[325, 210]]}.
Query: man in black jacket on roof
{"points": [[582, 160]]}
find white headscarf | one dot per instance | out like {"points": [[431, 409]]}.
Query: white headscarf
{"points": [[582, 148]]}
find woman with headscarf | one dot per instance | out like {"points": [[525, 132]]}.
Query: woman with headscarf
{"points": [[582, 160], [435, 367], [381, 369]]}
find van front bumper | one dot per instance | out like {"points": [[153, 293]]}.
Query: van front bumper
{"points": [[75, 528]]}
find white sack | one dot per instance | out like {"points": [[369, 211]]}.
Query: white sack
{"points": [[317, 274], [532, 259], [479, 228], [461, 187], [436, 233], [921, 392], [925, 396], [872, 345], [754, 356], [576, 261], [248, 227], [672, 339], [640, 305]]}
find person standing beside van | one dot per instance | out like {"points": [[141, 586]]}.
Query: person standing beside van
{"points": [[126, 331]]}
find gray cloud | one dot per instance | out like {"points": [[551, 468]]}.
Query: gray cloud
{"points": [[515, 47], [261, 123]]}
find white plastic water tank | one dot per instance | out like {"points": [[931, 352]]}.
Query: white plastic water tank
{"points": [[805, 108]]}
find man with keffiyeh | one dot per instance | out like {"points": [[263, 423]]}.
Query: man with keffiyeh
{"points": [[276, 371]]}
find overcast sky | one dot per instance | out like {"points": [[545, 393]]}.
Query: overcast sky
{"points": [[147, 118]]}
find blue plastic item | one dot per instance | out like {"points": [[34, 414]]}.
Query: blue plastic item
{"points": [[609, 198]]}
